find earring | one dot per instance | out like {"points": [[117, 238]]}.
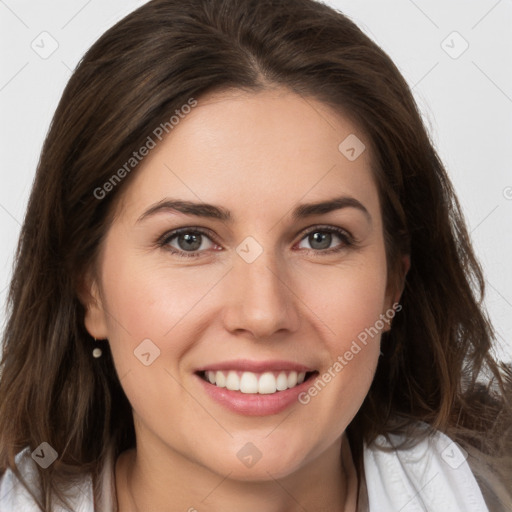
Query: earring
{"points": [[97, 352]]}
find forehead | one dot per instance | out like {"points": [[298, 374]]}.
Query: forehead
{"points": [[263, 152]]}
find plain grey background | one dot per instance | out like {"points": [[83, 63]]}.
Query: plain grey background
{"points": [[456, 56]]}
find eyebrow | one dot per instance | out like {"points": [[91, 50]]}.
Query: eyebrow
{"points": [[211, 211]]}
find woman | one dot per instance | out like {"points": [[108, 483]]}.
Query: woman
{"points": [[244, 281]]}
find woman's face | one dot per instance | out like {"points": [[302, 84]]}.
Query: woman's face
{"points": [[258, 289]]}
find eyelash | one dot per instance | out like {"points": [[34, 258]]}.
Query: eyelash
{"points": [[164, 240]]}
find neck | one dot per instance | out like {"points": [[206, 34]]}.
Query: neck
{"points": [[168, 482]]}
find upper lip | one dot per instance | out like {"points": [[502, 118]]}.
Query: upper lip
{"points": [[256, 366]]}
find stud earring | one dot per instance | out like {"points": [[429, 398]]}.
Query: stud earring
{"points": [[97, 352]]}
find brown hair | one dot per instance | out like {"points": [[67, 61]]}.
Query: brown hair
{"points": [[133, 78]]}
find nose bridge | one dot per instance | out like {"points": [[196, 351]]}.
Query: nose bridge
{"points": [[260, 300]]}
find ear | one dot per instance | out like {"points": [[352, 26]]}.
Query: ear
{"points": [[394, 296], [90, 297]]}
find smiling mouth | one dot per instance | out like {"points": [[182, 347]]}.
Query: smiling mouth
{"points": [[263, 383]]}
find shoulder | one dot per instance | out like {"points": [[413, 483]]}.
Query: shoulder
{"points": [[432, 474], [14, 496]]}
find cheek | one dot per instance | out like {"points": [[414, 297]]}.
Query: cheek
{"points": [[161, 304], [148, 300], [347, 298], [349, 302]]}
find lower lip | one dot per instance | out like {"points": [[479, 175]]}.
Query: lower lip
{"points": [[255, 404]]}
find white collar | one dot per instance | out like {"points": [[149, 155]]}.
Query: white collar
{"points": [[431, 476]]}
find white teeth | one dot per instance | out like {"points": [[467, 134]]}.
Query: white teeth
{"points": [[248, 382], [292, 379], [233, 381], [282, 382], [267, 384], [220, 380]]}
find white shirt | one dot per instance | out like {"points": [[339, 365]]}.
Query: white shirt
{"points": [[433, 476]]}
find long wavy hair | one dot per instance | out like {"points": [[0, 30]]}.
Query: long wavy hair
{"points": [[437, 366]]}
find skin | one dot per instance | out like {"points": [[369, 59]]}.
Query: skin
{"points": [[258, 155]]}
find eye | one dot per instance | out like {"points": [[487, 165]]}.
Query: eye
{"points": [[186, 242], [192, 242], [320, 239]]}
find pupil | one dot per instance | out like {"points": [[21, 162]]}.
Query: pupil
{"points": [[324, 239], [192, 241]]}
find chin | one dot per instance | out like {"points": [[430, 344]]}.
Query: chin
{"points": [[258, 461]]}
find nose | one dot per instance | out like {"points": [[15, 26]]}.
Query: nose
{"points": [[260, 300]]}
